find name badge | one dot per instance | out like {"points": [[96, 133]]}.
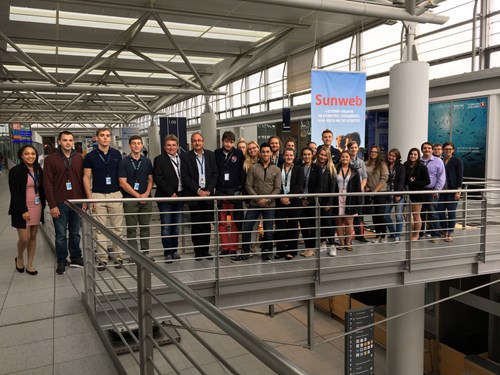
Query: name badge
{"points": [[202, 180], [226, 176], [37, 200], [69, 186], [136, 186], [108, 180]]}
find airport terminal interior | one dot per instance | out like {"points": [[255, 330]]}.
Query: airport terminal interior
{"points": [[154, 67]]}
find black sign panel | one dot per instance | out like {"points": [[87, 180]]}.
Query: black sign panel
{"points": [[175, 126], [359, 346]]}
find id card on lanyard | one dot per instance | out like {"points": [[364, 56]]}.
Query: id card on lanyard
{"points": [[35, 184], [136, 172], [106, 162]]}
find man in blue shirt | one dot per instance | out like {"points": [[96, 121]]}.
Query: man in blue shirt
{"points": [[100, 181], [135, 175], [437, 175]]}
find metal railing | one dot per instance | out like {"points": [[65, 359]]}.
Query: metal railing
{"points": [[137, 304]]}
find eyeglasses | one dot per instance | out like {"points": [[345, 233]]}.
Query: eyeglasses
{"points": [[447, 149]]}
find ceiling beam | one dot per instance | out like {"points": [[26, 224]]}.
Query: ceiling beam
{"points": [[7, 86], [358, 9]]}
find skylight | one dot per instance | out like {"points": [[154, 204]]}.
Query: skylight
{"points": [[35, 15]]}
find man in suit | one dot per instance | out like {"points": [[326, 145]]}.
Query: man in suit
{"points": [[199, 177], [167, 176]]}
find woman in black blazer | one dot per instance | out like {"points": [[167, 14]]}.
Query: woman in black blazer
{"points": [[348, 181], [417, 178], [27, 202], [313, 175], [288, 210]]}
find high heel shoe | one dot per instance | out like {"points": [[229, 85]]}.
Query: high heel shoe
{"points": [[18, 269]]}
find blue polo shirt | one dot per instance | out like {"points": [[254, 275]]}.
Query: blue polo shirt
{"points": [[103, 165], [135, 171]]}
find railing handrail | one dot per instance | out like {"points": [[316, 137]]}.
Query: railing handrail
{"points": [[277, 196], [260, 349]]}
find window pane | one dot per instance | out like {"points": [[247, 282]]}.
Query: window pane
{"points": [[377, 83], [449, 69], [446, 43], [457, 10], [336, 52], [381, 36], [382, 61], [275, 73], [254, 80]]}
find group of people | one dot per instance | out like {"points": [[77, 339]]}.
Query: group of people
{"points": [[246, 170]]}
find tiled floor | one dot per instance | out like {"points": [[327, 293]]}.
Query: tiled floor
{"points": [[44, 328]]}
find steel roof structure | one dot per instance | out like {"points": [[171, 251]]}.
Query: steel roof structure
{"points": [[80, 63]]}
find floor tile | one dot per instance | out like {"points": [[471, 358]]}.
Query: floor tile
{"points": [[26, 333], [26, 357]]}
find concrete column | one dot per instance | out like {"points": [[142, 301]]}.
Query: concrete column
{"points": [[209, 130], [408, 105], [155, 143], [405, 335]]}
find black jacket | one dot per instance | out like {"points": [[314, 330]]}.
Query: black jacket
{"points": [[190, 175], [296, 185], [18, 178], [328, 185], [454, 173], [232, 165], [165, 176], [421, 176]]}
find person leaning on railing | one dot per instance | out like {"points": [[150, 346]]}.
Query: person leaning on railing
{"points": [[312, 185], [288, 210], [167, 176], [395, 183], [378, 173], [448, 202], [417, 178], [264, 178], [327, 210], [199, 177], [348, 181]]}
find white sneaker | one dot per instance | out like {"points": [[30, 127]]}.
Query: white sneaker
{"points": [[382, 240], [323, 246], [397, 239], [332, 251]]}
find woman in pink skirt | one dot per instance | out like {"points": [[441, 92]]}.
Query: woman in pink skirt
{"points": [[27, 201]]}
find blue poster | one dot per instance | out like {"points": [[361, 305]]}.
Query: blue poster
{"points": [[464, 122], [338, 103]]}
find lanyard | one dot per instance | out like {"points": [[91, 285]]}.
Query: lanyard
{"points": [[106, 161], [176, 163], [307, 173], [287, 174], [136, 167], [35, 180], [67, 162], [201, 163], [226, 160]]}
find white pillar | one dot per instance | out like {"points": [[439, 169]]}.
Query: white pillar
{"points": [[209, 130], [408, 106], [405, 335], [155, 143]]}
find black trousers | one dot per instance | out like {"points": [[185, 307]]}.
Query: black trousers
{"points": [[202, 214]]}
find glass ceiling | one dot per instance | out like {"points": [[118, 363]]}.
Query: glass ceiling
{"points": [[35, 15]]}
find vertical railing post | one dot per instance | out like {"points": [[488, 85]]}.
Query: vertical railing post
{"points": [[464, 209], [409, 219], [318, 238], [89, 266], [216, 255], [310, 324], [144, 320], [484, 221]]}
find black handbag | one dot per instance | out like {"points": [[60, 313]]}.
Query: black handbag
{"points": [[368, 207]]}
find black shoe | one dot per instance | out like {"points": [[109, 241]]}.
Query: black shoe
{"points": [[208, 256], [101, 266], [18, 269], [266, 257], [361, 239], [168, 258], [61, 267], [239, 258], [278, 256], [118, 264], [33, 273], [224, 252], [76, 263], [176, 256]]}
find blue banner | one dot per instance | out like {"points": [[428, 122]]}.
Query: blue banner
{"points": [[338, 103]]}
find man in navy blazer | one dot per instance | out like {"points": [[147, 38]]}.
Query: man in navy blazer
{"points": [[199, 177]]}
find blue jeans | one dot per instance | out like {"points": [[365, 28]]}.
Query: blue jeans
{"points": [[251, 217], [430, 216], [447, 206], [398, 210], [69, 221], [170, 217]]}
